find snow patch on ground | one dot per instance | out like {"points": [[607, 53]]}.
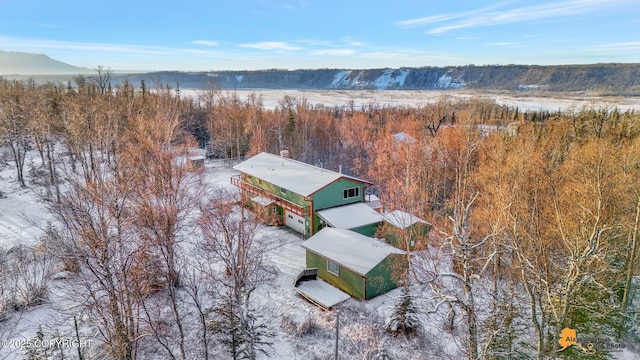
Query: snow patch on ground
{"points": [[22, 213], [419, 98]]}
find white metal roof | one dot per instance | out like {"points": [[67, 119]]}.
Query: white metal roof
{"points": [[350, 216], [401, 219], [322, 293], [295, 176], [352, 250]]}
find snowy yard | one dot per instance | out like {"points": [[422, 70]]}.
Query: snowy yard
{"points": [[300, 330]]}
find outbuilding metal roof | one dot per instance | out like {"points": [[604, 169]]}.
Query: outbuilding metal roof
{"points": [[350, 216], [352, 250], [402, 219]]}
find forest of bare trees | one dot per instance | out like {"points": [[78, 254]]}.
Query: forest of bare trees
{"points": [[535, 215]]}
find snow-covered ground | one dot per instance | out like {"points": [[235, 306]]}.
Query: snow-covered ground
{"points": [[301, 330], [310, 329], [522, 100]]}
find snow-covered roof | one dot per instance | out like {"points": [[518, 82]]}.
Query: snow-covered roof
{"points": [[261, 200], [404, 137], [350, 216], [401, 219], [322, 293], [296, 176], [372, 201], [355, 251]]}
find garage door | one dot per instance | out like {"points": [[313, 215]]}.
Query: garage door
{"points": [[295, 222]]}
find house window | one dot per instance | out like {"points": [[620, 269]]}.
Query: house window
{"points": [[351, 193], [333, 267]]}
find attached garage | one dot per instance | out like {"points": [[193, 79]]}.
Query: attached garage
{"points": [[295, 222]]}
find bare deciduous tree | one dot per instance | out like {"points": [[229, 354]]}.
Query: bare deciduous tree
{"points": [[236, 255]]}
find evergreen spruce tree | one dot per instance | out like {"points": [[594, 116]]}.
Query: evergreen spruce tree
{"points": [[404, 319], [34, 350]]}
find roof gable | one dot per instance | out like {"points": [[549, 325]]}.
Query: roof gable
{"points": [[402, 219], [293, 175], [357, 252]]}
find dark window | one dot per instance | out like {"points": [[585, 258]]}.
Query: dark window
{"points": [[333, 267], [351, 193]]}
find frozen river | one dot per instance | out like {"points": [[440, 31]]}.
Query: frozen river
{"points": [[413, 98]]}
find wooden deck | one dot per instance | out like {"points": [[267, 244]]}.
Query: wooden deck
{"points": [[317, 291], [251, 190]]}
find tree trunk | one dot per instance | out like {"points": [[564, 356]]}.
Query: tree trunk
{"points": [[626, 298]]}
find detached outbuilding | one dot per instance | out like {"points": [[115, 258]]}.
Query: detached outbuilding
{"points": [[404, 230], [359, 265]]}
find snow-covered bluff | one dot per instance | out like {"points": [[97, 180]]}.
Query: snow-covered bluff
{"points": [[621, 79]]}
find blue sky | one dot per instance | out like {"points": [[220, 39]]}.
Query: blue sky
{"points": [[309, 34]]}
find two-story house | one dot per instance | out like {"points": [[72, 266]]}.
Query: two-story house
{"points": [[295, 192]]}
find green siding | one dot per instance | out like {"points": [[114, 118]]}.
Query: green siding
{"points": [[331, 195], [395, 236], [348, 281], [385, 276], [276, 190], [367, 230]]}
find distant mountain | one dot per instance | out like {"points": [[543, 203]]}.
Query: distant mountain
{"points": [[621, 79], [20, 63]]}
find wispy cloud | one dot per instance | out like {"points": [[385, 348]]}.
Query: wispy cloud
{"points": [[445, 17], [489, 16], [26, 43], [334, 52], [205, 42], [270, 45], [315, 42], [502, 44], [630, 46], [351, 42]]}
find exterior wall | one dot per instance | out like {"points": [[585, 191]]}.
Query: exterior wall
{"points": [[395, 236], [268, 214], [275, 190], [348, 281], [385, 276], [331, 195], [367, 230]]}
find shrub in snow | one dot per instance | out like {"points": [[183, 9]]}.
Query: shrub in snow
{"points": [[6, 288], [299, 329], [404, 319], [32, 269]]}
